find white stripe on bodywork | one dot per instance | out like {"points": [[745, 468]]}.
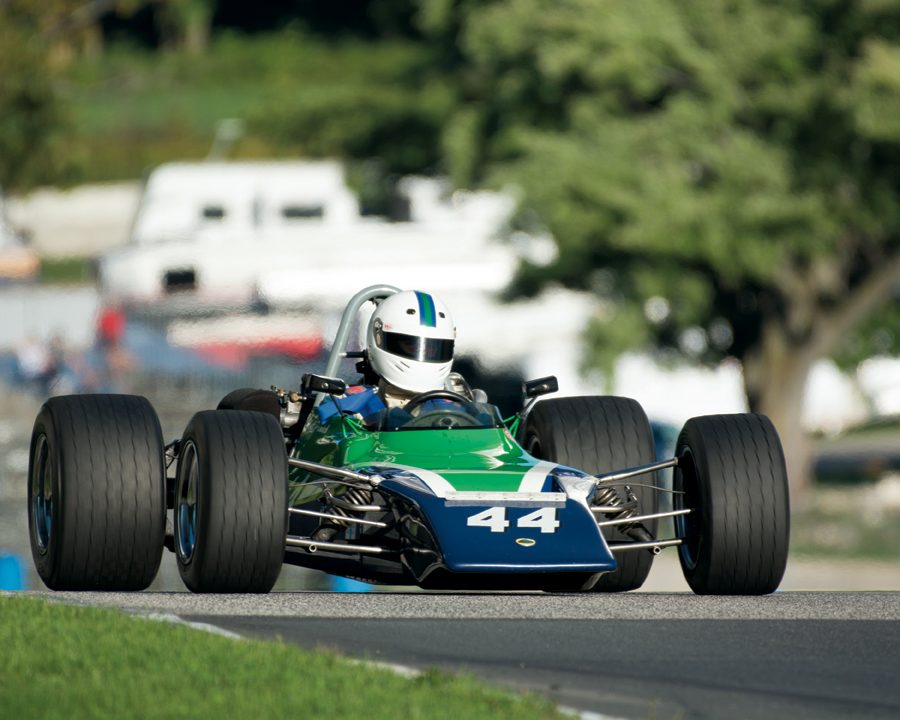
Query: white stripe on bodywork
{"points": [[436, 483], [506, 499], [529, 488], [533, 480]]}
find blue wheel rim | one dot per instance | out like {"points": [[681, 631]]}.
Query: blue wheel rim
{"points": [[686, 527], [42, 495], [186, 506]]}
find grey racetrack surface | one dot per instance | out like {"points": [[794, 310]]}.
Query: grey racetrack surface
{"points": [[641, 668], [638, 655], [634, 606]]}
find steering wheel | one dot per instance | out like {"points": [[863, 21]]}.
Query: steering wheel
{"points": [[443, 418], [417, 400]]}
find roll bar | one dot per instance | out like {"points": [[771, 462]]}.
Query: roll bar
{"points": [[339, 347]]}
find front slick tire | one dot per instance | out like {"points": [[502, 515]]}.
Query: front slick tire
{"points": [[231, 502], [96, 493], [598, 435], [732, 473]]}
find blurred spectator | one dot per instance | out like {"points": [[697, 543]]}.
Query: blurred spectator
{"points": [[34, 365], [48, 368], [115, 361], [63, 376], [111, 326]]}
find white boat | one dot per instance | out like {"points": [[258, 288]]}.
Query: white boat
{"points": [[291, 234]]}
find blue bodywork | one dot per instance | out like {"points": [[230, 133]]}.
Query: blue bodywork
{"points": [[575, 546]]}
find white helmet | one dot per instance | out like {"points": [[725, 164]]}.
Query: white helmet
{"points": [[410, 341]]}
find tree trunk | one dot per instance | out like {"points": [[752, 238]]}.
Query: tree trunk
{"points": [[197, 21], [775, 381], [775, 373]]}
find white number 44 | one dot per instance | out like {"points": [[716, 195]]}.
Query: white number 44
{"points": [[495, 519]]}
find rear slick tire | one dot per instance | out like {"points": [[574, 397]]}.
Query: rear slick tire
{"points": [[732, 475], [231, 510], [96, 493], [599, 434], [252, 399]]}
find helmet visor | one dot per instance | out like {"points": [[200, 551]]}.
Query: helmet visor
{"points": [[413, 347]]}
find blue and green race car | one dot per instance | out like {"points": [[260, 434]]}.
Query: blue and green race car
{"points": [[442, 493]]}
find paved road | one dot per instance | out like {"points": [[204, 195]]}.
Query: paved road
{"points": [[662, 655], [640, 668]]}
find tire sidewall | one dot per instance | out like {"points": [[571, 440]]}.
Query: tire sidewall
{"points": [[690, 448], [46, 560], [741, 518], [535, 447], [107, 481], [239, 538], [192, 569]]}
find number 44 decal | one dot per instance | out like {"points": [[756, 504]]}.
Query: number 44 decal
{"points": [[495, 519]]}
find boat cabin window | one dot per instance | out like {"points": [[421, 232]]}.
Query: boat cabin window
{"points": [[302, 212], [213, 212]]}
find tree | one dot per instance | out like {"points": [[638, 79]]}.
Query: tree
{"points": [[381, 104], [185, 23], [32, 117], [725, 176], [37, 39]]}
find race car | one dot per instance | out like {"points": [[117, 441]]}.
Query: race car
{"points": [[442, 493]]}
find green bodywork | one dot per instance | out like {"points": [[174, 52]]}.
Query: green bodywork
{"points": [[478, 459]]}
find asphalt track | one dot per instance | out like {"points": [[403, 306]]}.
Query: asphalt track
{"points": [[638, 655]]}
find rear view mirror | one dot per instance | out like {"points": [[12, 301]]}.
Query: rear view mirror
{"points": [[541, 386], [322, 384]]}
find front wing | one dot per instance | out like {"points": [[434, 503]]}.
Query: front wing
{"points": [[484, 532]]}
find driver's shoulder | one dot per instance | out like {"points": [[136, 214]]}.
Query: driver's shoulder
{"points": [[361, 400]]}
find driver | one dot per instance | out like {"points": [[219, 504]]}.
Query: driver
{"points": [[410, 341]]}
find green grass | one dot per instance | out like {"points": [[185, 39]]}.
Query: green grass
{"points": [[59, 661], [66, 270], [133, 109], [847, 522]]}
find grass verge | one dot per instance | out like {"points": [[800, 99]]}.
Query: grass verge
{"points": [[60, 661], [132, 109], [854, 522], [66, 270]]}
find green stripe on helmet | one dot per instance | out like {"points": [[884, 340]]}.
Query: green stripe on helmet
{"points": [[427, 313]]}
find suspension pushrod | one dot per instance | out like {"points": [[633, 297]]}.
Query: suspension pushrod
{"points": [[654, 546], [330, 516], [314, 545], [641, 518], [635, 471], [613, 508], [330, 471], [338, 502]]}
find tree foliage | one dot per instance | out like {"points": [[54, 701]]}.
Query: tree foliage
{"points": [[724, 176], [360, 101], [716, 165], [32, 116]]}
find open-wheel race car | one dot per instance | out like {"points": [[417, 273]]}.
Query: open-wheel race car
{"points": [[441, 493]]}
